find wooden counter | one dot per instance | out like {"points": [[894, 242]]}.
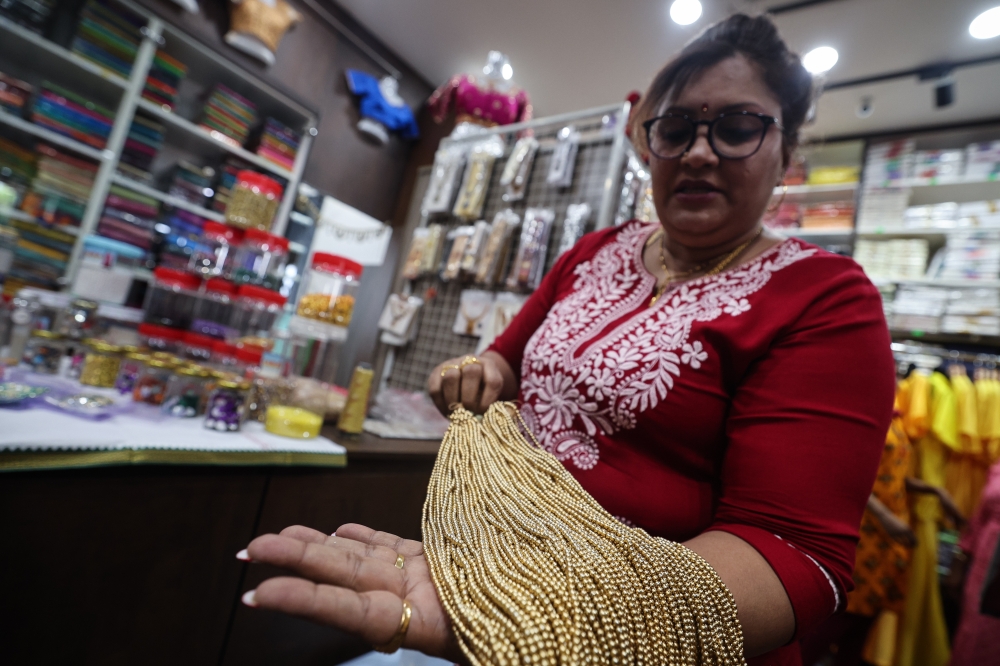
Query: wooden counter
{"points": [[134, 564]]}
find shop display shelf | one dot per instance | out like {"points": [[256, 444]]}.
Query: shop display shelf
{"points": [[830, 192], [814, 233], [168, 199], [925, 191], [38, 57], [202, 138], [939, 282], [946, 338], [298, 248], [16, 214], [21, 216], [22, 125]]}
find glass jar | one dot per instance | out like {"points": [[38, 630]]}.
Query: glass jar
{"points": [[224, 357], [185, 394], [171, 298], [129, 371], [227, 404], [214, 308], [260, 259], [44, 351], [77, 320], [101, 365], [213, 253], [152, 381], [253, 202], [197, 348], [160, 338], [330, 289], [255, 311], [267, 391]]}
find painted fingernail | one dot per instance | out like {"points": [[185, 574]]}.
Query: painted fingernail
{"points": [[249, 598], [243, 555]]}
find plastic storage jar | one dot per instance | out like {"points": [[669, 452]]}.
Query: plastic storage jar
{"points": [[253, 202], [213, 254], [152, 382], [160, 338], [129, 370], [248, 357], [255, 311], [197, 348], [44, 351], [224, 357], [260, 259], [214, 308], [101, 365], [330, 289], [227, 405], [185, 394], [171, 298]]}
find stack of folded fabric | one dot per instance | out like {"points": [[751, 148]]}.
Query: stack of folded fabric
{"points": [[17, 166], [14, 94], [192, 183], [34, 15], [61, 187], [69, 114], [184, 235], [229, 115], [129, 217], [145, 137], [108, 36], [227, 179], [164, 78], [278, 144], [41, 255]]}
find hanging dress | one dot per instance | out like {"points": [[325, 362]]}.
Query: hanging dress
{"points": [[968, 465]]}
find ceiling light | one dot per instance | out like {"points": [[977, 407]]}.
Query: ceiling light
{"points": [[820, 59], [685, 12], [986, 25], [506, 71]]}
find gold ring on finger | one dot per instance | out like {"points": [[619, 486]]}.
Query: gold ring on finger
{"points": [[446, 368], [469, 360], [399, 561], [397, 640]]}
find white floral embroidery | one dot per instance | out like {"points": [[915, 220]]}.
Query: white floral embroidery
{"points": [[580, 377]]}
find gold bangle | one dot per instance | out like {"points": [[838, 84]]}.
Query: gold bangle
{"points": [[397, 640], [446, 368], [399, 561], [469, 360]]}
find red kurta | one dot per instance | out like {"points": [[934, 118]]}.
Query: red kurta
{"points": [[754, 402]]}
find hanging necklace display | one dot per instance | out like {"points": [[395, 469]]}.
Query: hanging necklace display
{"points": [[459, 240], [514, 178], [577, 216], [563, 162], [529, 263], [472, 194], [441, 188], [399, 316], [474, 304], [720, 266], [473, 249], [529, 567], [491, 261]]}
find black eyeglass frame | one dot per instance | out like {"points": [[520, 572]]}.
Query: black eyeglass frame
{"points": [[768, 121]]}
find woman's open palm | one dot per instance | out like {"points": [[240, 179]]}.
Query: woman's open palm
{"points": [[350, 581]]}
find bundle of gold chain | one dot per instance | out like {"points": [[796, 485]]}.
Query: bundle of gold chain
{"points": [[531, 569]]}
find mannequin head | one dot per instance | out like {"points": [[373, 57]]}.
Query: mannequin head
{"points": [[498, 71]]}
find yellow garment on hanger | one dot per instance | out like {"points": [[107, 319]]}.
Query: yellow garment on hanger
{"points": [[931, 424], [988, 404], [968, 466]]}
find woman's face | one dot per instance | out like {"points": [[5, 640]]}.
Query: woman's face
{"points": [[702, 200]]}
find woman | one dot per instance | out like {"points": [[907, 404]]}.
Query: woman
{"points": [[703, 379]]}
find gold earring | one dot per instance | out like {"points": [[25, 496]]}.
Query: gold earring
{"points": [[784, 191]]}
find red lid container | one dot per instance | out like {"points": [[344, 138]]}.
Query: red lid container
{"points": [[220, 286], [175, 278], [333, 263], [165, 332], [249, 354], [260, 182], [223, 348], [216, 230], [269, 241], [260, 294], [198, 340]]}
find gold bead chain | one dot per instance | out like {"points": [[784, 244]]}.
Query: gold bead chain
{"points": [[531, 570]]}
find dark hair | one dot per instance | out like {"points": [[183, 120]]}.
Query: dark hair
{"points": [[758, 40]]}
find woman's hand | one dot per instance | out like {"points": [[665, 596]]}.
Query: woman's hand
{"points": [[350, 581], [475, 383]]}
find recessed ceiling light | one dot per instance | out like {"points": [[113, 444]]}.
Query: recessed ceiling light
{"points": [[986, 25], [506, 71], [685, 12], [820, 59]]}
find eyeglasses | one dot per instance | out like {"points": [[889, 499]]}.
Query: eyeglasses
{"points": [[733, 136]]}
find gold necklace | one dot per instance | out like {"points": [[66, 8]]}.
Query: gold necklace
{"points": [[715, 270], [528, 566]]}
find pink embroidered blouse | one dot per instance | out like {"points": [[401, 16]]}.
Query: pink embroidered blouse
{"points": [[471, 103], [754, 402]]}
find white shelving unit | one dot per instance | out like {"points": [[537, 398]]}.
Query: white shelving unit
{"points": [[27, 55]]}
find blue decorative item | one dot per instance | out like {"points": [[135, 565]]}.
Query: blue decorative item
{"points": [[381, 107]]}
